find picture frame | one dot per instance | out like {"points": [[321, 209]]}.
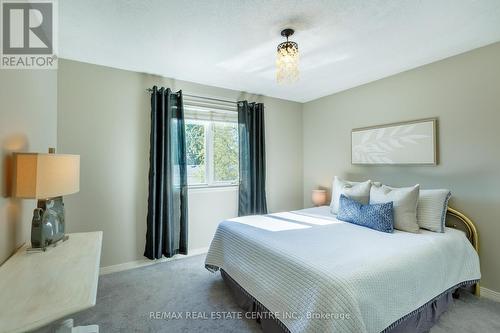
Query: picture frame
{"points": [[402, 143]]}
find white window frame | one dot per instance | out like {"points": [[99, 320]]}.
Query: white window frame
{"points": [[209, 158]]}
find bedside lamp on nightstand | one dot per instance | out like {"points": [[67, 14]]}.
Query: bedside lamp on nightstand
{"points": [[318, 197], [46, 177]]}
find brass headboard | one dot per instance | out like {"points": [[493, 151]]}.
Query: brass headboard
{"points": [[462, 222]]}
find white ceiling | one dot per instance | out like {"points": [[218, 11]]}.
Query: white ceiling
{"points": [[232, 43]]}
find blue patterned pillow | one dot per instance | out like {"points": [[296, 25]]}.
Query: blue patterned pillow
{"points": [[375, 216]]}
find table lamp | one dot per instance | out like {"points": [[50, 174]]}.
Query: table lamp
{"points": [[46, 177], [318, 197]]}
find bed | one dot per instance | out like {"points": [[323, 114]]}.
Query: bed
{"points": [[306, 271]]}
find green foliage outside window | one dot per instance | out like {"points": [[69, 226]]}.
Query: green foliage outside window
{"points": [[195, 152], [195, 144], [225, 151]]}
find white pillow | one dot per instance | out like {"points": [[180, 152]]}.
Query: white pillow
{"points": [[404, 201], [354, 190], [431, 210]]}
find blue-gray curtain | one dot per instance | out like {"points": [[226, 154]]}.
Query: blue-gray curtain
{"points": [[167, 231], [252, 189]]}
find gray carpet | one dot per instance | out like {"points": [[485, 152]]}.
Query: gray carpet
{"points": [[125, 300]]}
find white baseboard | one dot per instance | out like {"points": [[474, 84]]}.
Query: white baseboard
{"points": [[490, 294], [146, 262]]}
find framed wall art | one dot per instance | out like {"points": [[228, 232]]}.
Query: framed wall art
{"points": [[412, 142]]}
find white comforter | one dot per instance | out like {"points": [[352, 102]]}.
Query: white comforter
{"points": [[318, 274]]}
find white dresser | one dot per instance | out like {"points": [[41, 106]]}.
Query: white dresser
{"points": [[37, 288]]}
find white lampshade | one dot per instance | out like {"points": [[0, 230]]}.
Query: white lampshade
{"points": [[318, 197], [43, 176]]}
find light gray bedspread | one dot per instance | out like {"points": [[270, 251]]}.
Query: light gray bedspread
{"points": [[318, 274]]}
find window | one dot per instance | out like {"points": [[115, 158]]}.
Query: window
{"points": [[196, 148], [211, 143]]}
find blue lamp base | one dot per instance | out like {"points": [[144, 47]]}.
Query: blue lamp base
{"points": [[47, 226]]}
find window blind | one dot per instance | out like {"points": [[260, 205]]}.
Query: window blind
{"points": [[199, 108]]}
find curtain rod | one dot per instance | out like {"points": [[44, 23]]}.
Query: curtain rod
{"points": [[203, 97]]}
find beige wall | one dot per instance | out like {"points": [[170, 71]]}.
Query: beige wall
{"points": [[104, 114], [464, 93], [28, 122]]}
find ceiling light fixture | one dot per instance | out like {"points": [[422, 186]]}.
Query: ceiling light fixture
{"points": [[287, 60]]}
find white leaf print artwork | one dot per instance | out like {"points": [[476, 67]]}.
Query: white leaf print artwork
{"points": [[396, 144]]}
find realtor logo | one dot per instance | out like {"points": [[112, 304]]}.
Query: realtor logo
{"points": [[28, 34]]}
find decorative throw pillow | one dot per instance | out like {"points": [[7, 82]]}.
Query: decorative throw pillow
{"points": [[354, 190], [431, 209], [404, 200], [374, 216]]}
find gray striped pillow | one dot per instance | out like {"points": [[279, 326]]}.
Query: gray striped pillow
{"points": [[431, 209]]}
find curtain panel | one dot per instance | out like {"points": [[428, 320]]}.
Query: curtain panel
{"points": [[252, 187], [167, 217]]}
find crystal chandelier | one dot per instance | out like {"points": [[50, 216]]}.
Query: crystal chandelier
{"points": [[287, 60]]}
